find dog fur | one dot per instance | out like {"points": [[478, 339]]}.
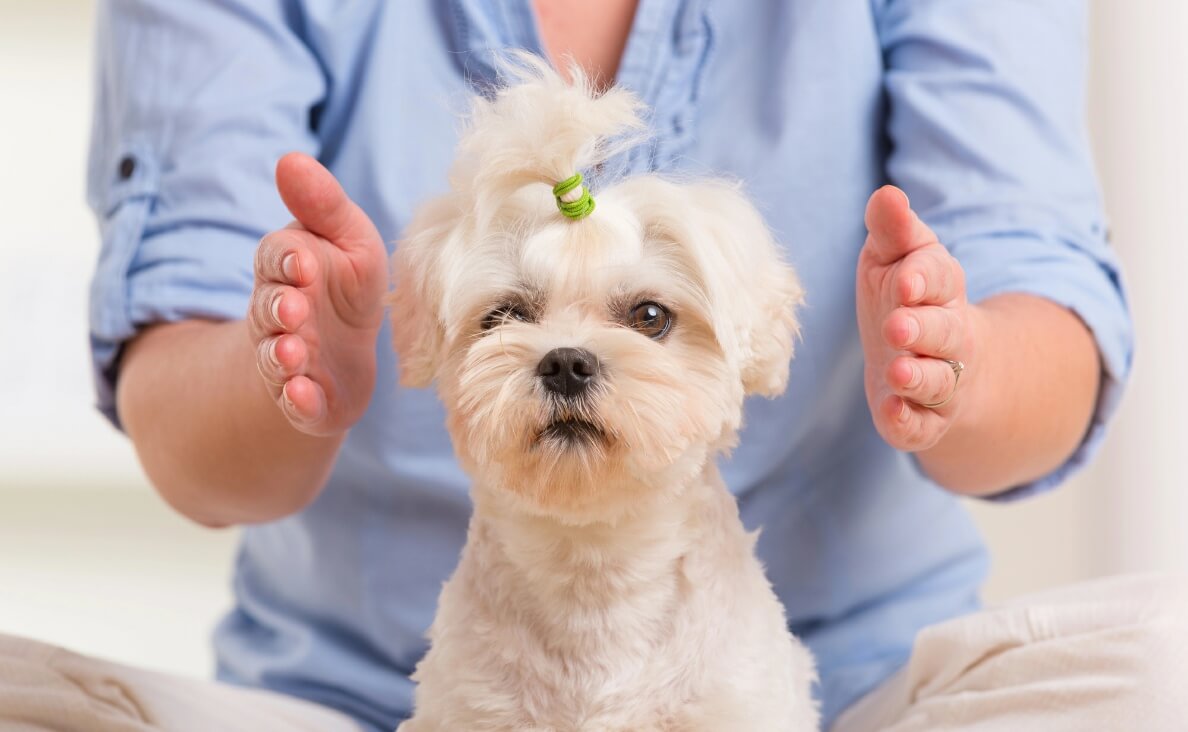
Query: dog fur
{"points": [[607, 583]]}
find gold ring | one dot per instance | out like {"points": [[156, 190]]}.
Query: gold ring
{"points": [[957, 367]]}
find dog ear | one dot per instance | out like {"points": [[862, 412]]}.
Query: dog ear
{"points": [[773, 332], [418, 333], [753, 290]]}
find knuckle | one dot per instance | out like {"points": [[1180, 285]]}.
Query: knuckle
{"points": [[923, 258], [261, 298], [869, 278], [941, 337], [914, 433], [895, 432], [940, 384], [938, 257], [938, 332], [267, 258], [929, 261], [958, 272], [942, 279], [953, 330], [936, 393], [921, 393], [260, 262], [923, 433], [951, 272], [923, 440], [254, 309], [910, 265]]}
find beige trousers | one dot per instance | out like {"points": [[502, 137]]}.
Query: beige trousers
{"points": [[1098, 657], [44, 689], [1109, 655]]}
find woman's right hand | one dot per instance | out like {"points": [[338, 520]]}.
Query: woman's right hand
{"points": [[317, 305]]}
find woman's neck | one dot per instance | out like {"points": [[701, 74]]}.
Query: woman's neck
{"points": [[594, 34]]}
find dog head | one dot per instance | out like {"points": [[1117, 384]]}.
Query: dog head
{"points": [[587, 366]]}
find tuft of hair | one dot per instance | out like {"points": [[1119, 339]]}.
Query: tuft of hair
{"points": [[539, 128]]}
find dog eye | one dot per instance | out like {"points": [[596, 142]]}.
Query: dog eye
{"points": [[497, 316], [650, 319]]}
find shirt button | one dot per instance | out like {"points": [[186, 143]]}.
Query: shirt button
{"points": [[127, 167]]}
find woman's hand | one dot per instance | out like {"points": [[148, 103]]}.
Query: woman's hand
{"points": [[207, 429], [912, 316], [317, 306]]}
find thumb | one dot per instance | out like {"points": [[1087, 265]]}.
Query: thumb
{"points": [[895, 230], [317, 201]]}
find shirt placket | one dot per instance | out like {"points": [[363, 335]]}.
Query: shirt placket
{"points": [[665, 56], [663, 63]]}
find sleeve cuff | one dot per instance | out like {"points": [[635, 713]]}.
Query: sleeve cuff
{"points": [[1086, 284], [181, 274]]}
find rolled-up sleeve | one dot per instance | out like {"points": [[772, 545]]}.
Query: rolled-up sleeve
{"points": [[194, 103], [986, 122]]}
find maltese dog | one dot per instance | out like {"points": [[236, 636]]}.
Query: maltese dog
{"points": [[593, 360]]}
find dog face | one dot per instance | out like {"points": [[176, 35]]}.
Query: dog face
{"points": [[589, 366]]}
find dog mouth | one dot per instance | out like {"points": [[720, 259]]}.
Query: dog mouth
{"points": [[572, 431]]}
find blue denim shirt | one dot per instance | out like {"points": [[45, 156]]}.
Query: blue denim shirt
{"points": [[973, 107]]}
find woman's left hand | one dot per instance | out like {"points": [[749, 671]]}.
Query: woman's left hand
{"points": [[912, 316]]}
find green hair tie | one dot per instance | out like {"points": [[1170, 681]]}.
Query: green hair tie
{"points": [[574, 207]]}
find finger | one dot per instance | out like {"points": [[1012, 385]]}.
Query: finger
{"points": [[909, 427], [276, 309], [929, 276], [895, 230], [281, 358], [303, 402], [315, 199], [286, 256], [927, 330], [921, 380]]}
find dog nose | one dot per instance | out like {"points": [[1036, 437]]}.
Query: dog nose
{"points": [[567, 371]]}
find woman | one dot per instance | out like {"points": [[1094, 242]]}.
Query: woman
{"points": [[969, 342]]}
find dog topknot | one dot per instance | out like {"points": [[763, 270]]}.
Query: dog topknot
{"points": [[540, 128]]}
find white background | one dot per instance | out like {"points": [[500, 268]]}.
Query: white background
{"points": [[91, 559]]}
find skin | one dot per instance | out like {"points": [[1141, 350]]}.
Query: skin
{"points": [[593, 34], [1032, 370], [240, 422]]}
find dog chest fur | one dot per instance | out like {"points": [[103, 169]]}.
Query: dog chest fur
{"points": [[664, 622]]}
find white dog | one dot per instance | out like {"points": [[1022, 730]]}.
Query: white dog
{"points": [[592, 366]]}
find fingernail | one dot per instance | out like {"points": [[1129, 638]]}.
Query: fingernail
{"points": [[917, 288], [290, 268], [916, 378], [272, 352], [904, 412], [913, 331], [288, 402], [276, 302]]}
